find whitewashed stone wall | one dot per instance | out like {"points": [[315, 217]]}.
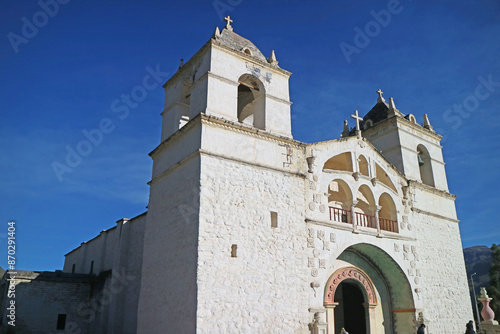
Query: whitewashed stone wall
{"points": [[168, 292], [264, 289]]}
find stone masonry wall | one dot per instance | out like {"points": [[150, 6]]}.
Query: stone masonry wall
{"points": [[264, 288]]}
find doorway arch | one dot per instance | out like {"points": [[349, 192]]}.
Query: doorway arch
{"points": [[388, 298], [350, 290]]}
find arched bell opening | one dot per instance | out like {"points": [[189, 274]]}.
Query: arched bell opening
{"points": [[251, 101], [425, 166]]}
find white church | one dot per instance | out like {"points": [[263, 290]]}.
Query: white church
{"points": [[250, 231]]}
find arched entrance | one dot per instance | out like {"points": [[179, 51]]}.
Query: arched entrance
{"points": [[350, 311], [350, 301], [368, 293]]}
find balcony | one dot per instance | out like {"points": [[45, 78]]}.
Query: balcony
{"points": [[345, 216]]}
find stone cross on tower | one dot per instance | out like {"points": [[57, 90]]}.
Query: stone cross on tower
{"points": [[380, 98], [357, 118], [228, 23]]}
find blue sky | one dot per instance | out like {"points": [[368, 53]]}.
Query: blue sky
{"points": [[62, 76]]}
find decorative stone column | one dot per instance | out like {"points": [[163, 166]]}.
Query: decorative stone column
{"points": [[371, 319], [353, 216], [318, 326], [377, 221], [330, 317], [487, 313]]}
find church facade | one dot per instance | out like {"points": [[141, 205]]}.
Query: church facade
{"points": [[251, 231]]}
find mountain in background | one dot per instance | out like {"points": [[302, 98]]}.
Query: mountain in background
{"points": [[478, 260]]}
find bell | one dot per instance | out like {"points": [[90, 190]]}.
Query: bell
{"points": [[420, 161]]}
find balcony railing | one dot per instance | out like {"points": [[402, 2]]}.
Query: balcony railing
{"points": [[344, 216], [340, 215], [388, 225], [365, 220]]}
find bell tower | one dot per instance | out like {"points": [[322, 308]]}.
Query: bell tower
{"points": [[229, 77], [413, 148], [227, 103]]}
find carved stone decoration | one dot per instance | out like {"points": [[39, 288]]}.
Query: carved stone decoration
{"points": [[374, 181], [406, 248], [310, 164], [322, 208], [316, 253], [333, 237], [355, 175], [312, 185], [317, 198], [397, 248], [326, 245], [354, 274], [311, 262], [312, 206], [409, 227], [314, 272], [417, 280], [411, 272], [322, 263], [321, 234], [310, 243], [312, 232], [315, 178]]}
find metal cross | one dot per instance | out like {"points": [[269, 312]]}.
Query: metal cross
{"points": [[228, 23], [357, 118]]}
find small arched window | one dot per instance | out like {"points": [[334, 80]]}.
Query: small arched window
{"points": [[425, 165], [251, 101]]}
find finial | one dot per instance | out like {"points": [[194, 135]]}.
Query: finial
{"points": [[216, 33], [345, 132], [228, 23], [392, 105], [380, 98], [427, 124], [181, 63], [272, 60], [357, 118]]}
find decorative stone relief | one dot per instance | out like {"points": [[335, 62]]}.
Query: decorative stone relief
{"points": [[316, 253], [314, 272], [411, 272], [350, 273], [322, 263], [310, 243], [312, 185], [312, 232], [317, 198], [312, 206], [326, 245], [315, 178], [397, 248], [333, 237], [311, 262], [322, 208], [321, 234]]}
